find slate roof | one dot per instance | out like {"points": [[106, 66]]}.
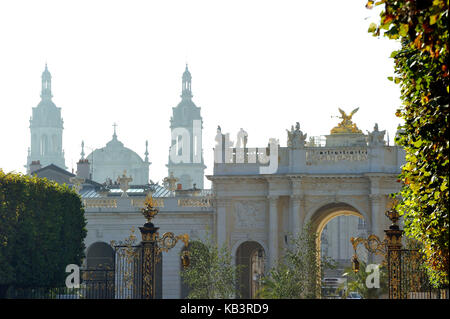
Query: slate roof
{"points": [[54, 168], [158, 191]]}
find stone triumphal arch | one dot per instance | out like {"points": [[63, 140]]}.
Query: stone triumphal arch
{"points": [[344, 173]]}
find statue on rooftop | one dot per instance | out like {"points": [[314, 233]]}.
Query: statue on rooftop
{"points": [[376, 137], [346, 125], [242, 138], [296, 138]]}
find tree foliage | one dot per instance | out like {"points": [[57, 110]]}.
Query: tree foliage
{"points": [[357, 282], [211, 273], [297, 273], [42, 230], [421, 67]]}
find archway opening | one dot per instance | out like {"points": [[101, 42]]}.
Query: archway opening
{"points": [[335, 242], [99, 277], [251, 256], [100, 255], [334, 225]]}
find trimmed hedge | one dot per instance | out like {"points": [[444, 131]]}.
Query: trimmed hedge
{"points": [[42, 228]]}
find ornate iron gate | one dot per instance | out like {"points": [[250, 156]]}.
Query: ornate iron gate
{"points": [[128, 268], [407, 276], [121, 281], [97, 283]]}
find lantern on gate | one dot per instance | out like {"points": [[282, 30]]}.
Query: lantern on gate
{"points": [[355, 264]]}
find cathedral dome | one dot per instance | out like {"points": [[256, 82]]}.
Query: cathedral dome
{"points": [[111, 161], [115, 153]]}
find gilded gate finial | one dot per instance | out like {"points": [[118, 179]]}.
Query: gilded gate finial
{"points": [[149, 211], [393, 216]]}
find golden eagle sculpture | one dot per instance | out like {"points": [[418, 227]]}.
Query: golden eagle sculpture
{"points": [[346, 125]]}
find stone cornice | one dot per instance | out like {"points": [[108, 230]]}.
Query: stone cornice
{"points": [[331, 176], [276, 178], [379, 175], [292, 177], [298, 197], [225, 178]]}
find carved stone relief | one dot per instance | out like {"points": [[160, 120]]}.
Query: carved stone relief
{"points": [[250, 214]]}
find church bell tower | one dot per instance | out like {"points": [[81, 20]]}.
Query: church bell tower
{"points": [[186, 152], [46, 127]]}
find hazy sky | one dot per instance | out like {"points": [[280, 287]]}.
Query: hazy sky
{"points": [[260, 65]]}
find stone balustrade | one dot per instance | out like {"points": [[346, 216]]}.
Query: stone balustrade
{"points": [[100, 202], [138, 203]]}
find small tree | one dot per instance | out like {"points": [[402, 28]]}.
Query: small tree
{"points": [[211, 273], [297, 275], [356, 282]]}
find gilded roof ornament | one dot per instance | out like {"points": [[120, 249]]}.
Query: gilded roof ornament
{"points": [[124, 181], [346, 125]]}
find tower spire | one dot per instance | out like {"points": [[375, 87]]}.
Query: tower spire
{"points": [[115, 135], [46, 91], [146, 151], [185, 151], [46, 128], [82, 150], [186, 92]]}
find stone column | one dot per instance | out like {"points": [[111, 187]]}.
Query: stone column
{"points": [[273, 231], [375, 204], [375, 201], [221, 221], [296, 207]]}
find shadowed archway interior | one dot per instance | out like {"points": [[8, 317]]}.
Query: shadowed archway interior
{"points": [[251, 256], [100, 255]]}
